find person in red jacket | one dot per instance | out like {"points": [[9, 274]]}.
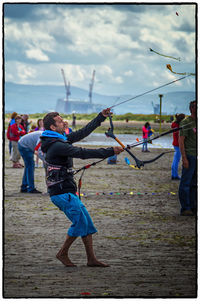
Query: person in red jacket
{"points": [[175, 143], [12, 120], [145, 131], [16, 131]]}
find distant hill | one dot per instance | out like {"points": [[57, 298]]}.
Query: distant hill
{"points": [[43, 98]]}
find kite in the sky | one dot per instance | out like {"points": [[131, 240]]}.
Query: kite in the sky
{"points": [[177, 14], [178, 59], [185, 73]]}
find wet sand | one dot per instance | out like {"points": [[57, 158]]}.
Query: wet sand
{"points": [[151, 249]]}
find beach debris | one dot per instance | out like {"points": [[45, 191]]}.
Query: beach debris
{"points": [[85, 293]]}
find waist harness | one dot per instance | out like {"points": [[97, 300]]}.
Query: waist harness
{"points": [[56, 174]]}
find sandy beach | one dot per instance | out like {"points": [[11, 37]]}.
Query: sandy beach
{"points": [[151, 249]]}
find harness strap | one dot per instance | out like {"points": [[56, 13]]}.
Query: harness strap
{"points": [[56, 174]]}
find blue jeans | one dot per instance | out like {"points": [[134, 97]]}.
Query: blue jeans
{"points": [[188, 185], [175, 163], [28, 177], [144, 146], [75, 210]]}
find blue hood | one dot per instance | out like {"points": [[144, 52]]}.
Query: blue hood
{"points": [[52, 134]]}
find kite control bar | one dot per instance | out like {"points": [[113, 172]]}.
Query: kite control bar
{"points": [[110, 134]]}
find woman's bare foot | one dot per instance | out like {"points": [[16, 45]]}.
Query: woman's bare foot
{"points": [[65, 260], [96, 263]]}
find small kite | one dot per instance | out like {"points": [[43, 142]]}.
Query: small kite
{"points": [[177, 14], [128, 162], [171, 57], [184, 73]]}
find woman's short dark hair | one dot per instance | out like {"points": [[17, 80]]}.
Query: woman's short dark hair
{"points": [[48, 120], [179, 117], [14, 114]]}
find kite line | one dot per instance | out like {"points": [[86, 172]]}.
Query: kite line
{"points": [[176, 80]]}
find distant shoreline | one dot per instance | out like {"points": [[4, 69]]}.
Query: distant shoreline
{"points": [[120, 127]]}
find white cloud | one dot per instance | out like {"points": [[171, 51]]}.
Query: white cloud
{"points": [[36, 54], [118, 79], [25, 72], [128, 73], [97, 32], [20, 72]]}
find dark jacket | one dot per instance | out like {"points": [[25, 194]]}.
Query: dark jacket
{"points": [[61, 152]]}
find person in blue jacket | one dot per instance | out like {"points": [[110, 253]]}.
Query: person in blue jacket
{"points": [[59, 153]]}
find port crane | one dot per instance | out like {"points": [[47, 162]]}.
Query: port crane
{"points": [[91, 87], [67, 89], [156, 108]]}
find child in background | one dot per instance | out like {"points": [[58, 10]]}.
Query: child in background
{"points": [[150, 133], [67, 129], [33, 127]]}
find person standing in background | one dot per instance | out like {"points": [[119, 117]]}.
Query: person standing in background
{"points": [[73, 121], [26, 146], [188, 148], [16, 131], [145, 132], [25, 123], [175, 143], [12, 121], [40, 127]]}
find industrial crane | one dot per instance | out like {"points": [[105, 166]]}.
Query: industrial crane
{"points": [[91, 87], [156, 108], [67, 89]]}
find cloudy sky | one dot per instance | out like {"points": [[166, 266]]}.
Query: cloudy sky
{"points": [[114, 40]]}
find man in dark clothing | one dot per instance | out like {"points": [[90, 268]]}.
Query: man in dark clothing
{"points": [[62, 188], [188, 148]]}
